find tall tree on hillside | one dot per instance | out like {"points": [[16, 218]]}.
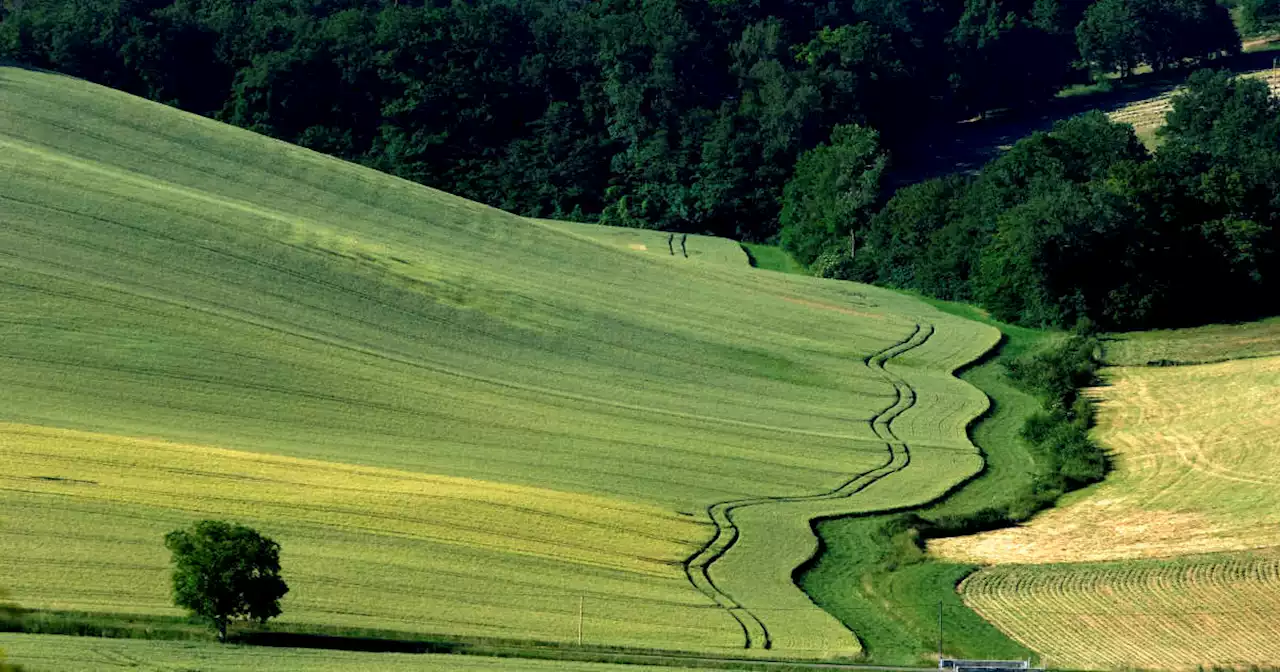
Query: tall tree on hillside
{"points": [[833, 191], [901, 237]]}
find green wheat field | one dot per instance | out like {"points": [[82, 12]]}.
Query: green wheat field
{"points": [[453, 419]]}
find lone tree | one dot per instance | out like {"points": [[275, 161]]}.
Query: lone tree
{"points": [[224, 571]]}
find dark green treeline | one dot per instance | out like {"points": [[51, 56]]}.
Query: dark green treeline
{"points": [[1083, 223], [678, 114], [742, 118]]}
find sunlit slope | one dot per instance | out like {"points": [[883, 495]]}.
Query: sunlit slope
{"points": [[170, 275], [648, 241], [173, 288]]}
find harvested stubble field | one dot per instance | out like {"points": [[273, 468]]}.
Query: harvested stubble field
{"points": [[1195, 473], [453, 419], [53, 653], [1200, 345], [1217, 610]]}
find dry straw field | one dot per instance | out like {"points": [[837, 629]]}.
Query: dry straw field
{"points": [[1196, 473], [1172, 614], [454, 420]]}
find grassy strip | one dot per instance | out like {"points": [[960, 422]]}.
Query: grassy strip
{"points": [[369, 640], [772, 258], [873, 573]]}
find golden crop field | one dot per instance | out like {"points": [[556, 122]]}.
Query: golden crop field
{"points": [[1183, 613], [362, 545], [1195, 471], [454, 420]]}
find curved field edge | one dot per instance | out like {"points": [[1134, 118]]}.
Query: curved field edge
{"points": [[870, 572], [927, 454], [1183, 613]]}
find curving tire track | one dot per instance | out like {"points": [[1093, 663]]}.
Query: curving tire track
{"points": [[698, 566]]}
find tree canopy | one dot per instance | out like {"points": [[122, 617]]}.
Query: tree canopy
{"points": [[223, 572], [1082, 223], [686, 115], [1120, 35], [833, 191]]}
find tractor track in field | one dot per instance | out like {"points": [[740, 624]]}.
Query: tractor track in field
{"points": [[697, 567]]}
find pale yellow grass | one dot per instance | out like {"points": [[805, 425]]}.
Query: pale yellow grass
{"points": [[1197, 471], [1173, 614], [362, 546]]}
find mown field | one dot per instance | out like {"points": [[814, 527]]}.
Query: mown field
{"points": [[453, 419], [1194, 449], [1183, 613], [1171, 561], [54, 653], [1199, 345]]}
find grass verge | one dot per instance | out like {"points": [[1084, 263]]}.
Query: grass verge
{"points": [[68, 629], [772, 258], [877, 581], [872, 573]]}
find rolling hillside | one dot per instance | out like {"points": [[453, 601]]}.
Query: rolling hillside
{"points": [[453, 419]]}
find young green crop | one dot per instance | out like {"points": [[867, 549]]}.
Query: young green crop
{"points": [[535, 418]]}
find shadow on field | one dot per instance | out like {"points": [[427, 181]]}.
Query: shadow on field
{"points": [[298, 640]]}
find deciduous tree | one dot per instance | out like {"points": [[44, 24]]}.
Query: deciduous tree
{"points": [[833, 191], [223, 572]]}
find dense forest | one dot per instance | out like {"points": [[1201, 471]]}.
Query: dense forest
{"points": [[753, 119], [678, 114], [1083, 223]]}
